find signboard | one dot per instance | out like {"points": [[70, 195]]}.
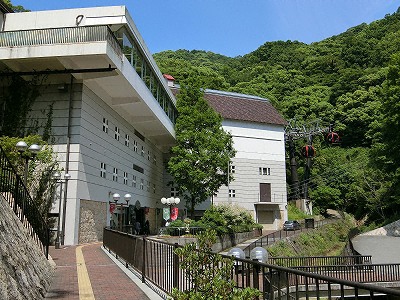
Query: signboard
{"points": [[166, 213], [174, 213]]}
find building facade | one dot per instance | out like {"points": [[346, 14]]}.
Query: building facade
{"points": [[112, 119], [258, 168]]}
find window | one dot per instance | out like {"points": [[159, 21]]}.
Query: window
{"points": [[233, 169], [142, 184], [127, 140], [116, 134], [103, 170], [155, 160], [174, 192], [135, 148], [126, 178], [115, 175], [134, 181], [154, 188], [142, 153], [264, 171], [232, 193], [148, 155], [105, 125]]}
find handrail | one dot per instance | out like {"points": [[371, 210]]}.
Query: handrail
{"points": [[157, 265], [14, 191]]}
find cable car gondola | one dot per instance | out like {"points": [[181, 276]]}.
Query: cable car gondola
{"points": [[308, 151], [333, 138]]}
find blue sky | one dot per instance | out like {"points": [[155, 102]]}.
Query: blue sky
{"points": [[234, 27]]}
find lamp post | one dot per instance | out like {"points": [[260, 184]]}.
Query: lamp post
{"points": [[57, 177], [33, 150], [127, 198], [171, 201]]}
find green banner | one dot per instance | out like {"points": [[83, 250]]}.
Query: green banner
{"points": [[166, 213]]}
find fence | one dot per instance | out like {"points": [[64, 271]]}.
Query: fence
{"points": [[320, 260], [15, 193], [159, 267], [281, 234]]}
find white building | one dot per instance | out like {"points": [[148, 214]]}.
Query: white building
{"points": [[258, 168], [113, 119]]}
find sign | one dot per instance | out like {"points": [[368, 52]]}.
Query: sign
{"points": [[166, 213], [174, 213], [112, 207]]}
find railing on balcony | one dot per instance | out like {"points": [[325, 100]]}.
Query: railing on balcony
{"points": [[54, 36], [157, 265], [13, 190]]}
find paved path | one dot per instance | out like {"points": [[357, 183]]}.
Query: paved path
{"points": [[86, 272], [383, 249]]}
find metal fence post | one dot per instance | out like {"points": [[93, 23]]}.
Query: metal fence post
{"points": [[144, 261], [176, 268]]}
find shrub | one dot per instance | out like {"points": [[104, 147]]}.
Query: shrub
{"points": [[226, 218], [209, 282]]}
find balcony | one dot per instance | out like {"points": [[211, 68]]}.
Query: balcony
{"points": [[134, 90]]}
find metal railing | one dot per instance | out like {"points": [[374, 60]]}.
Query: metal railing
{"points": [[13, 190], [282, 234], [302, 261], [179, 231], [158, 266], [66, 35]]}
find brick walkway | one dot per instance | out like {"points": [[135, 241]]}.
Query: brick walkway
{"points": [[107, 280]]}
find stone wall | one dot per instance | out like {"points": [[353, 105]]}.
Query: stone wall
{"points": [[392, 229], [25, 273], [93, 218]]}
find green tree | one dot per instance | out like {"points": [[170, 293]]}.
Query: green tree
{"points": [[209, 273], [203, 149], [16, 8]]}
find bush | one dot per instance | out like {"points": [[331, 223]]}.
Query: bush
{"points": [[225, 218]]}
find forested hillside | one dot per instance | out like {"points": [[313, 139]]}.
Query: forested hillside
{"points": [[351, 80]]}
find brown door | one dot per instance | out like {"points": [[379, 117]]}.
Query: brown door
{"points": [[265, 192]]}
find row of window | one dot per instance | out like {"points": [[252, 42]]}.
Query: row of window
{"points": [[142, 67], [127, 179], [127, 143], [261, 170]]}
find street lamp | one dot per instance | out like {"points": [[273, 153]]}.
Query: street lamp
{"points": [[33, 150], [116, 198], [57, 178], [171, 201]]}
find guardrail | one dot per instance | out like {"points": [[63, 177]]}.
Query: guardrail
{"points": [[158, 266], [13, 190], [179, 231]]}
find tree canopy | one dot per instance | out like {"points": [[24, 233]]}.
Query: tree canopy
{"points": [[203, 149], [350, 80]]}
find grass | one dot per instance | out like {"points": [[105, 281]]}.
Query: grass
{"points": [[327, 240]]}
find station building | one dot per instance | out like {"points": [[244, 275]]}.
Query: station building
{"points": [[112, 121]]}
